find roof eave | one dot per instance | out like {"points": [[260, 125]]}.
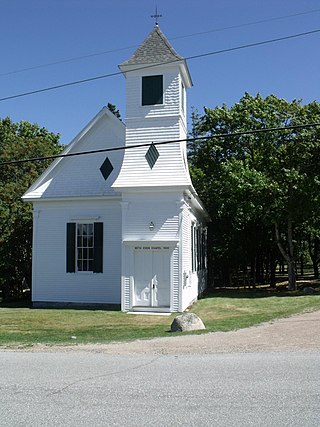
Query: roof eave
{"points": [[104, 111], [186, 74], [196, 202], [181, 63]]}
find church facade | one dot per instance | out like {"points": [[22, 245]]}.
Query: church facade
{"points": [[125, 226]]}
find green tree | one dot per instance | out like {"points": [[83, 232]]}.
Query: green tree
{"points": [[263, 183], [19, 141], [114, 110]]}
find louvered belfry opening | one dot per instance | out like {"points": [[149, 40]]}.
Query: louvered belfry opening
{"points": [[152, 90], [106, 168], [152, 155]]}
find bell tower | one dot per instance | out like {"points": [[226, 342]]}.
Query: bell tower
{"points": [[157, 79], [156, 82]]}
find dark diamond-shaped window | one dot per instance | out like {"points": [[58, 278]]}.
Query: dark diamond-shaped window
{"points": [[106, 168], [152, 155]]}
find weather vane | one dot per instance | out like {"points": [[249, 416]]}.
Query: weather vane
{"points": [[156, 16]]}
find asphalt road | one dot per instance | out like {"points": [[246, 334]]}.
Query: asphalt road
{"points": [[98, 389]]}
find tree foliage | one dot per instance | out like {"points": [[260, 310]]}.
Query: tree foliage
{"points": [[261, 189], [19, 141], [114, 110]]}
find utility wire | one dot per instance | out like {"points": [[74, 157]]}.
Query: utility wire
{"points": [[129, 147], [215, 30], [90, 79], [64, 61], [247, 24]]}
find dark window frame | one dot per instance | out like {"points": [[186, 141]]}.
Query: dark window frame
{"points": [[198, 247], [152, 90], [72, 248]]}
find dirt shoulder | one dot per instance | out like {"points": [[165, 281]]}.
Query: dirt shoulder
{"points": [[301, 332]]}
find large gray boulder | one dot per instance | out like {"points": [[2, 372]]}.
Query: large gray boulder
{"points": [[187, 322]]}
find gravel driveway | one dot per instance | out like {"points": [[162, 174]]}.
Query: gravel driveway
{"points": [[301, 332]]}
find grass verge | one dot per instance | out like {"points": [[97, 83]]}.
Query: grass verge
{"points": [[220, 311]]}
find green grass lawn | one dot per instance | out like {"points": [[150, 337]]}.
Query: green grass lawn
{"points": [[220, 311]]}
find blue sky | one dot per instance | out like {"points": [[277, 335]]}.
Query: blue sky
{"points": [[39, 32]]}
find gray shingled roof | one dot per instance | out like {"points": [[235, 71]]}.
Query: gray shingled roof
{"points": [[155, 48]]}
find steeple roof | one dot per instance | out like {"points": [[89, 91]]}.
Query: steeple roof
{"points": [[155, 48]]}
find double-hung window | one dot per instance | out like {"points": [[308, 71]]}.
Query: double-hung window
{"points": [[85, 247], [85, 241], [198, 248], [194, 248]]}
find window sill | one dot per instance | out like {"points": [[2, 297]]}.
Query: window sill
{"points": [[84, 272]]}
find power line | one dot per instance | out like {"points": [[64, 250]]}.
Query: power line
{"points": [[90, 79], [214, 30], [129, 147], [247, 24], [64, 61], [231, 49]]}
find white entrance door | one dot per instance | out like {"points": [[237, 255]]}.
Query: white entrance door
{"points": [[152, 277]]}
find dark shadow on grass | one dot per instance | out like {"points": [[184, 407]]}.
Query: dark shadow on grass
{"points": [[60, 306], [15, 304], [257, 293], [76, 306]]}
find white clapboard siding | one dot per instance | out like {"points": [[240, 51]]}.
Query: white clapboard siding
{"points": [[155, 123], [51, 282], [171, 105], [186, 240], [194, 282], [80, 175], [159, 208], [169, 170], [189, 285], [176, 283]]}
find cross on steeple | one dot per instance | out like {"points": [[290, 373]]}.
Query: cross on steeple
{"points": [[156, 16]]}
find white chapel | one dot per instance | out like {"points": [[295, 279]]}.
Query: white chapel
{"points": [[124, 227]]}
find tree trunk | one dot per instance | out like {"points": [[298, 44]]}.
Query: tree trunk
{"points": [[273, 265], [259, 269], [253, 272], [301, 266], [314, 251], [292, 284], [289, 255], [281, 266], [315, 265]]}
